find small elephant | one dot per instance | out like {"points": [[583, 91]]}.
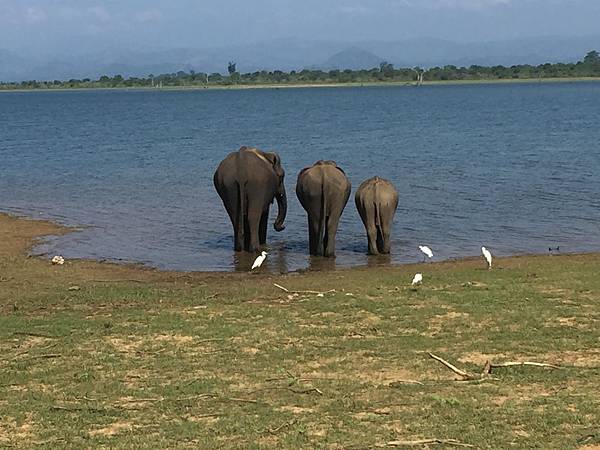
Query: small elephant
{"points": [[376, 200], [323, 190], [248, 181]]}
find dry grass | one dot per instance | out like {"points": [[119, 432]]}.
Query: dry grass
{"points": [[141, 358]]}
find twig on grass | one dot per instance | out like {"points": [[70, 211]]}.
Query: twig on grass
{"points": [[285, 425], [464, 375], [487, 369], [489, 366], [74, 409], [241, 400], [398, 382], [306, 391], [48, 356], [303, 292], [421, 442]]}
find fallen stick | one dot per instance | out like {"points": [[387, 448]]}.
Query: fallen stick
{"points": [[305, 391], [487, 369], [242, 400], [285, 425], [395, 382], [421, 442], [50, 356], [522, 363], [456, 370], [303, 292]]}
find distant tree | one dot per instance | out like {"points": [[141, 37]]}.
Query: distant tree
{"points": [[592, 58], [386, 69]]}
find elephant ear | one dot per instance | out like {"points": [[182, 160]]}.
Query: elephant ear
{"points": [[275, 160]]}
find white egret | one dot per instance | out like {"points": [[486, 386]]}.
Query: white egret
{"points": [[417, 279], [426, 250], [487, 255], [59, 260], [259, 260]]}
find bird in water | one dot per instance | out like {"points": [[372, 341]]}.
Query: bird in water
{"points": [[259, 260], [554, 249], [487, 255], [426, 250], [418, 279]]}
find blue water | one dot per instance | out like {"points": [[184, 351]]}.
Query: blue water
{"points": [[512, 167]]}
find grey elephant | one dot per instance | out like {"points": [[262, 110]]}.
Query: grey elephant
{"points": [[376, 200], [248, 181], [323, 190]]}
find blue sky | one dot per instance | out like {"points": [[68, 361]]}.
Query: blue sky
{"points": [[63, 26]]}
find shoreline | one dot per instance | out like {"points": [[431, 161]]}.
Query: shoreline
{"points": [[315, 85], [23, 233]]}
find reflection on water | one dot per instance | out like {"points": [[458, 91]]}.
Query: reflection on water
{"points": [[320, 263], [514, 168], [378, 260]]}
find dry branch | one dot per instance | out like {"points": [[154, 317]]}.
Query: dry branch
{"points": [[487, 369], [422, 442], [464, 375], [49, 356], [241, 400], [285, 425], [395, 382], [305, 391], [520, 364], [303, 292]]}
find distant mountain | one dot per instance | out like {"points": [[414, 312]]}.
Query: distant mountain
{"points": [[430, 52], [296, 54], [352, 58]]}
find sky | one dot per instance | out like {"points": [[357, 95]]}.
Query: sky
{"points": [[39, 27]]}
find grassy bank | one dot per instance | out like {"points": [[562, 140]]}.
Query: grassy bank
{"points": [[116, 356], [315, 85]]}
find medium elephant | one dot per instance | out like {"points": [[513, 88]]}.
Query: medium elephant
{"points": [[248, 181], [323, 190], [376, 200]]}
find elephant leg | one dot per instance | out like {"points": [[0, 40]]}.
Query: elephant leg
{"points": [[313, 235], [331, 227], [232, 204], [373, 238], [369, 221], [262, 233], [254, 219], [385, 231]]}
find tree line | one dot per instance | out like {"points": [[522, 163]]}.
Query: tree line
{"points": [[589, 66]]}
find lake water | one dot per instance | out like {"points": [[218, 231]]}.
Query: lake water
{"points": [[515, 167]]}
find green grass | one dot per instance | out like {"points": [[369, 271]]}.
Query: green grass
{"points": [[233, 362]]}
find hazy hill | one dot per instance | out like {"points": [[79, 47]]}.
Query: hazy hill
{"points": [[353, 58]]}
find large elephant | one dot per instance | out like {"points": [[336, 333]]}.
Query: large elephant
{"points": [[247, 181], [323, 190], [376, 200]]}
